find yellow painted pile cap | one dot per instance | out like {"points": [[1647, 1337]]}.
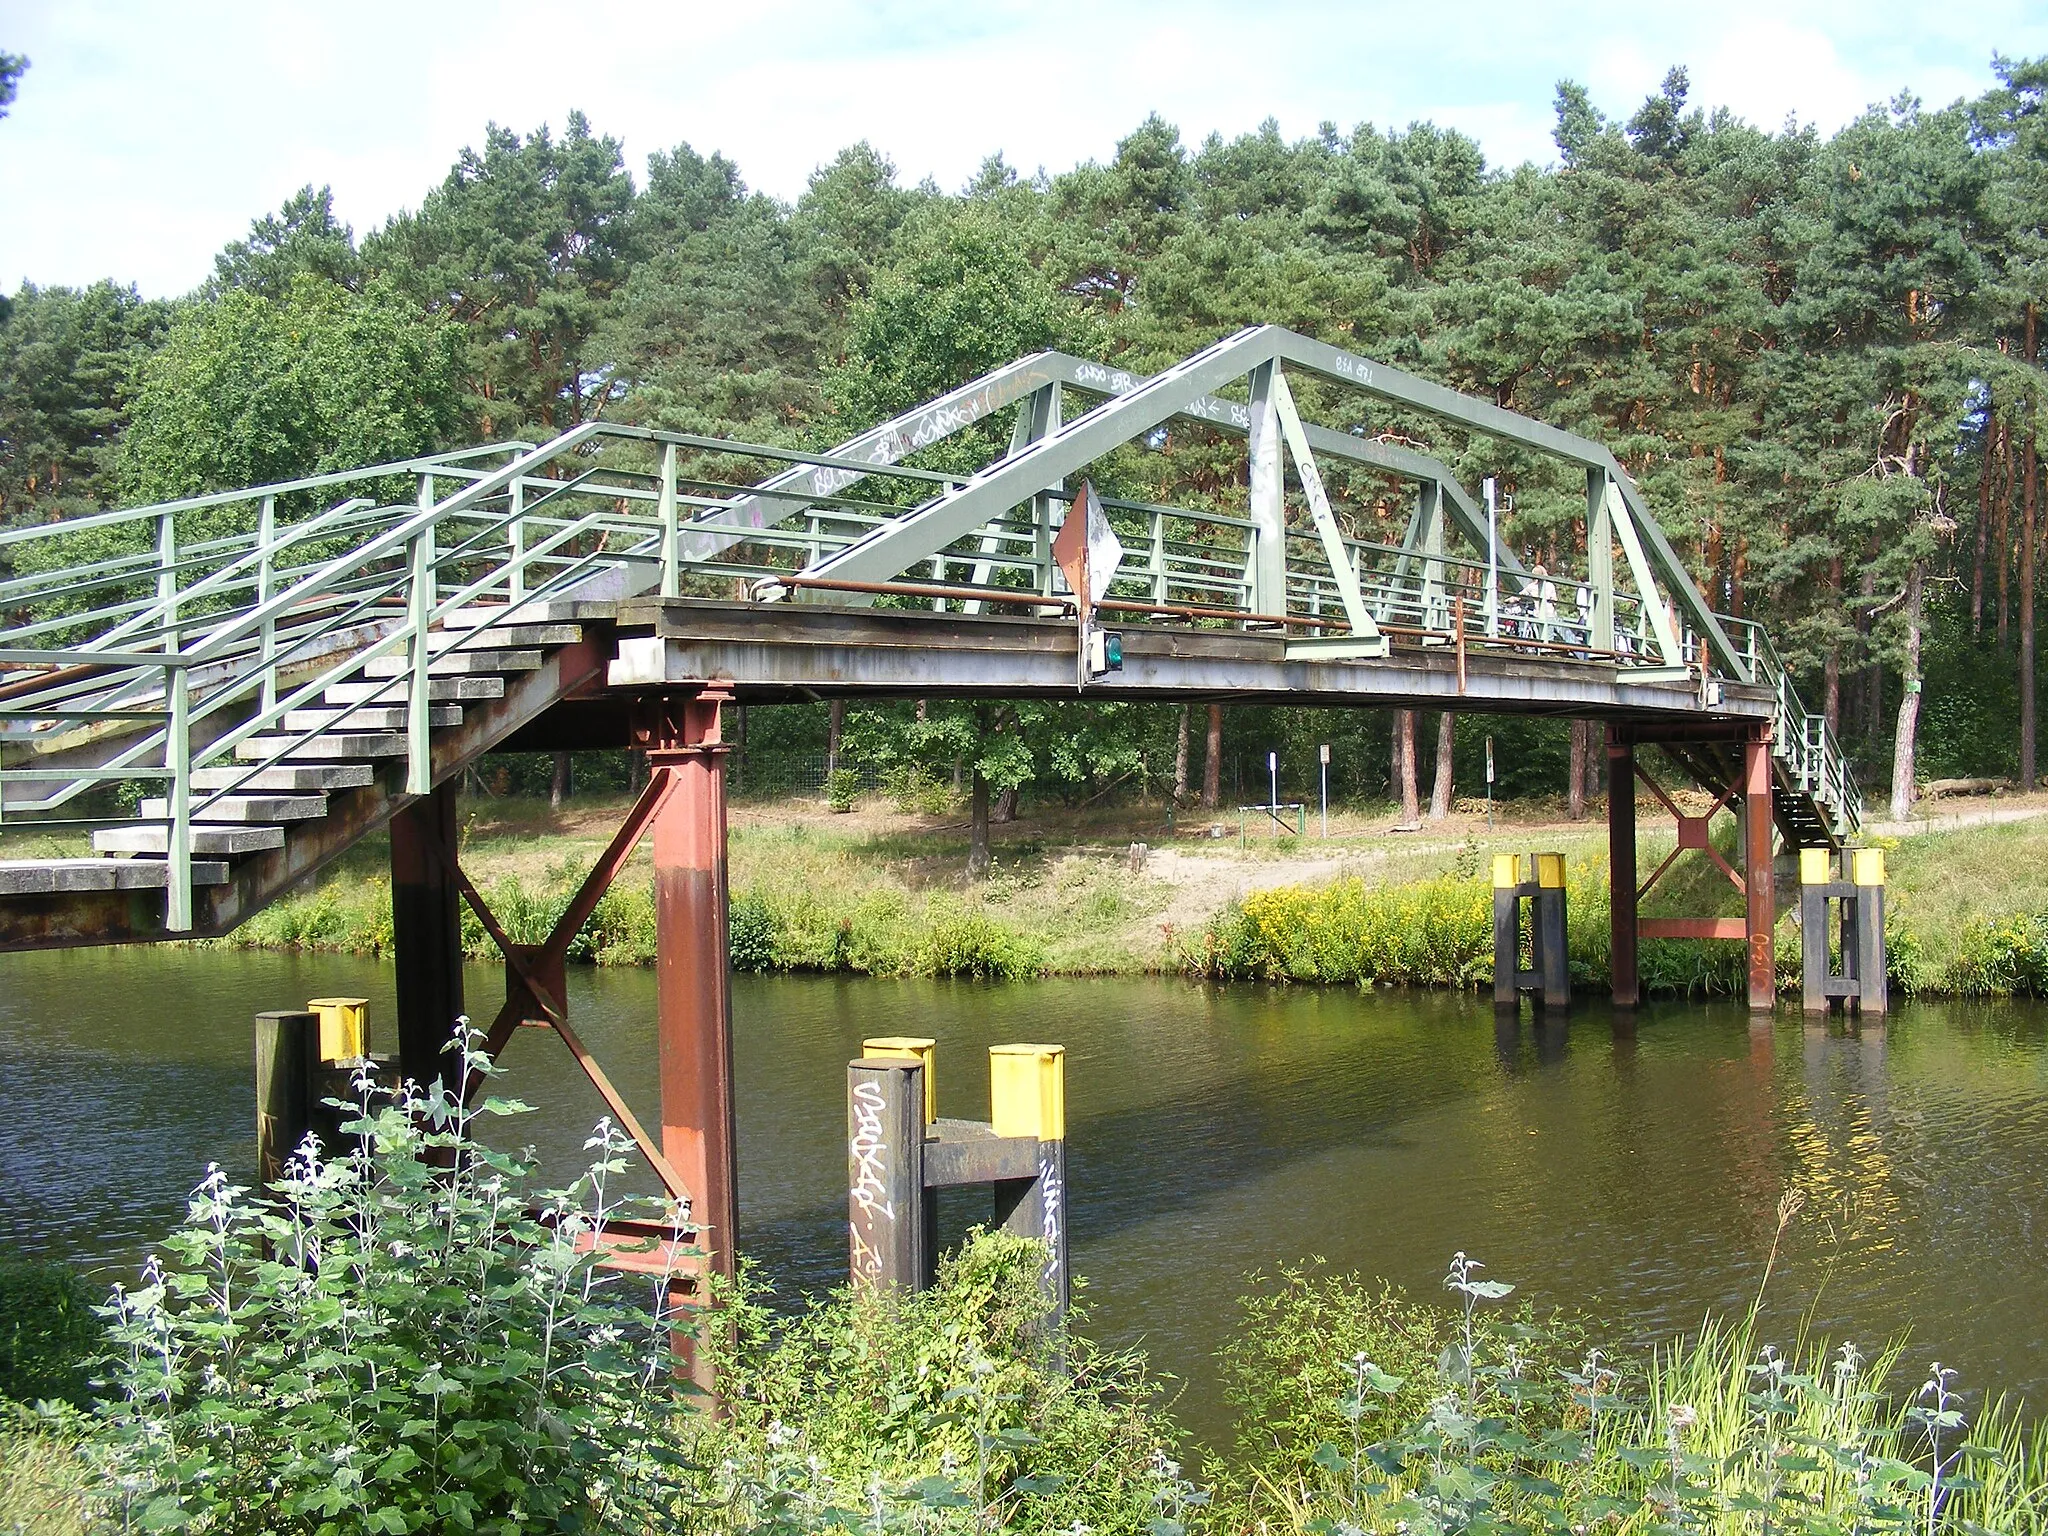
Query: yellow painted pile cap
{"points": [[1027, 1091], [910, 1048], [1550, 871], [1867, 866], [1506, 870], [344, 1026], [1813, 866]]}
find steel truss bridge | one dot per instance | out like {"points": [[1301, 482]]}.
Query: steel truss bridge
{"points": [[229, 690]]}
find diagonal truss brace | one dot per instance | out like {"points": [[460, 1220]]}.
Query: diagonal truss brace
{"points": [[1319, 506]]}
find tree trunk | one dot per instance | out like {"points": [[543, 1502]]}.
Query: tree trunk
{"points": [[1575, 793], [1180, 758], [736, 765], [1831, 691], [1404, 757], [1212, 760], [558, 782], [835, 720], [1909, 704], [1983, 527], [1006, 807], [2002, 535], [636, 770], [1446, 766], [977, 837], [2029, 466]]}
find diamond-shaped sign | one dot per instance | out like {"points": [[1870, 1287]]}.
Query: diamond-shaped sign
{"points": [[1087, 548]]}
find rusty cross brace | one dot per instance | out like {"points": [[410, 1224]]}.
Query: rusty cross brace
{"points": [[1692, 833], [537, 969]]}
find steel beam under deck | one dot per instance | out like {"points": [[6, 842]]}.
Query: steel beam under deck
{"points": [[809, 652]]}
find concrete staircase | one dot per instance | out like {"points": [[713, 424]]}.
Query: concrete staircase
{"points": [[293, 800]]}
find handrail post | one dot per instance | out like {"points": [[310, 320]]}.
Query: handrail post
{"points": [[671, 572], [419, 765], [178, 835], [177, 738], [266, 530], [516, 583]]}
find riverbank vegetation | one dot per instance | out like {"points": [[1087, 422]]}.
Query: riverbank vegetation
{"points": [[413, 1337], [886, 893]]}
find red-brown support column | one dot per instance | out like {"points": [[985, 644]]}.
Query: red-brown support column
{"points": [[426, 934], [1621, 867], [695, 1003], [1758, 879]]}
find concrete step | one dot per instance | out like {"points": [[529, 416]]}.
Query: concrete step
{"points": [[247, 808], [466, 689], [369, 717], [231, 842], [337, 745], [52, 877], [288, 777], [506, 637], [460, 664], [552, 611]]}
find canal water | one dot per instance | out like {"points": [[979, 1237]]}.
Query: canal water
{"points": [[1632, 1173]]}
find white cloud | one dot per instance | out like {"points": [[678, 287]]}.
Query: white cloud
{"points": [[147, 136]]}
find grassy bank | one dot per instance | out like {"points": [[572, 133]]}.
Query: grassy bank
{"points": [[886, 894]]}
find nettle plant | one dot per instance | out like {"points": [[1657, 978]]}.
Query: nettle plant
{"points": [[1719, 1436], [399, 1337]]}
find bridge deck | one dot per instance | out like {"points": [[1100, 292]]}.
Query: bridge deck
{"points": [[792, 651]]}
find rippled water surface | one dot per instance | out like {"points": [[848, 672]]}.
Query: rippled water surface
{"points": [[1633, 1173]]}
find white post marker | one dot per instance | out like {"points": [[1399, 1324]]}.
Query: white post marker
{"points": [[1324, 753], [1489, 783], [1273, 772]]}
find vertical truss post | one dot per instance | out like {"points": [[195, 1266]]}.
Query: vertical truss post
{"points": [[419, 758], [1268, 563], [694, 1007], [1621, 867], [426, 931], [671, 570], [515, 542], [266, 532], [1759, 886], [1042, 504], [1429, 513], [1600, 560]]}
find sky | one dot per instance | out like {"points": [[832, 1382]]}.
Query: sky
{"points": [[148, 135]]}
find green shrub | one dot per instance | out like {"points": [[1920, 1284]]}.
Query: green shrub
{"points": [[751, 934], [393, 1344], [971, 944], [49, 1332], [842, 788], [850, 1414]]}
